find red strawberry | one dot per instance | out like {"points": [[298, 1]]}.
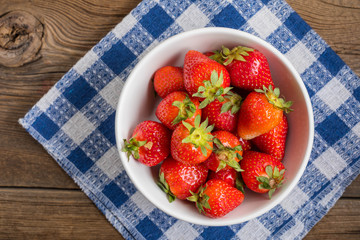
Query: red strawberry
{"points": [[260, 112], [176, 107], [209, 54], [262, 172], [223, 114], [245, 144], [205, 78], [192, 144], [217, 198], [273, 142], [177, 179], [226, 153], [149, 144], [168, 79], [228, 175], [248, 68]]}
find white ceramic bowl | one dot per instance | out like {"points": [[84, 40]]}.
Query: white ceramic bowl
{"points": [[137, 103]]}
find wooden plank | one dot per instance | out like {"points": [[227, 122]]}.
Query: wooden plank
{"points": [[43, 214], [21, 87], [341, 222], [353, 190], [71, 29], [337, 22], [51, 214]]}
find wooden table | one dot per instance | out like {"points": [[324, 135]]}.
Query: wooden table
{"points": [[38, 200]]}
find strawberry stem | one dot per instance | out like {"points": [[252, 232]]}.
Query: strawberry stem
{"points": [[200, 134], [233, 104], [273, 96], [212, 89], [226, 56], [272, 181], [239, 183], [186, 110], [164, 186], [227, 156], [132, 146], [201, 199]]}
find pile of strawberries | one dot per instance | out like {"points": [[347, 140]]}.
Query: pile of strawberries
{"points": [[221, 128]]}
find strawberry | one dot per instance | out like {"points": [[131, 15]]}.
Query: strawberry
{"points": [[217, 198], [273, 142], [245, 144], [177, 179], [149, 144], [260, 112], [262, 172], [226, 153], [248, 68], [168, 79], [223, 114], [176, 107], [228, 175], [192, 143], [205, 78]]}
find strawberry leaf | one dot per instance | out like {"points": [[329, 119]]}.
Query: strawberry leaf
{"points": [[164, 186], [132, 146], [212, 89], [271, 192], [263, 179], [186, 110], [188, 125], [203, 150], [218, 143], [269, 171], [199, 135], [240, 185], [274, 99], [205, 201], [235, 165], [276, 173], [204, 124], [226, 107], [233, 103], [204, 103], [236, 53], [222, 165]]}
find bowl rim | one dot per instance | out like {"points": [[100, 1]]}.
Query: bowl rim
{"points": [[286, 62]]}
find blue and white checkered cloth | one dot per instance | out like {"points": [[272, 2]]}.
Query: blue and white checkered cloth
{"points": [[74, 121]]}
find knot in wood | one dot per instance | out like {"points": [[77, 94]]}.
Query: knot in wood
{"points": [[20, 38]]}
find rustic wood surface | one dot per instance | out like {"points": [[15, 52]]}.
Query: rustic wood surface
{"points": [[38, 200]]}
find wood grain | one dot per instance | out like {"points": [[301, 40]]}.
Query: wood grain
{"points": [[51, 214], [38, 200], [341, 222], [34, 213], [337, 22]]}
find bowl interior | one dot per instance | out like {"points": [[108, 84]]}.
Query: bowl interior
{"points": [[137, 103]]}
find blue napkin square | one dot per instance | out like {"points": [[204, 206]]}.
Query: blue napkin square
{"points": [[74, 121]]}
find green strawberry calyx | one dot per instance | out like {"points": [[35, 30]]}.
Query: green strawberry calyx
{"points": [[212, 89], [201, 199], [186, 110], [200, 134], [272, 181], [239, 183], [226, 56], [233, 104], [227, 156], [132, 146], [164, 186], [273, 96]]}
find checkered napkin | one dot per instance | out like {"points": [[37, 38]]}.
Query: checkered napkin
{"points": [[74, 121]]}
